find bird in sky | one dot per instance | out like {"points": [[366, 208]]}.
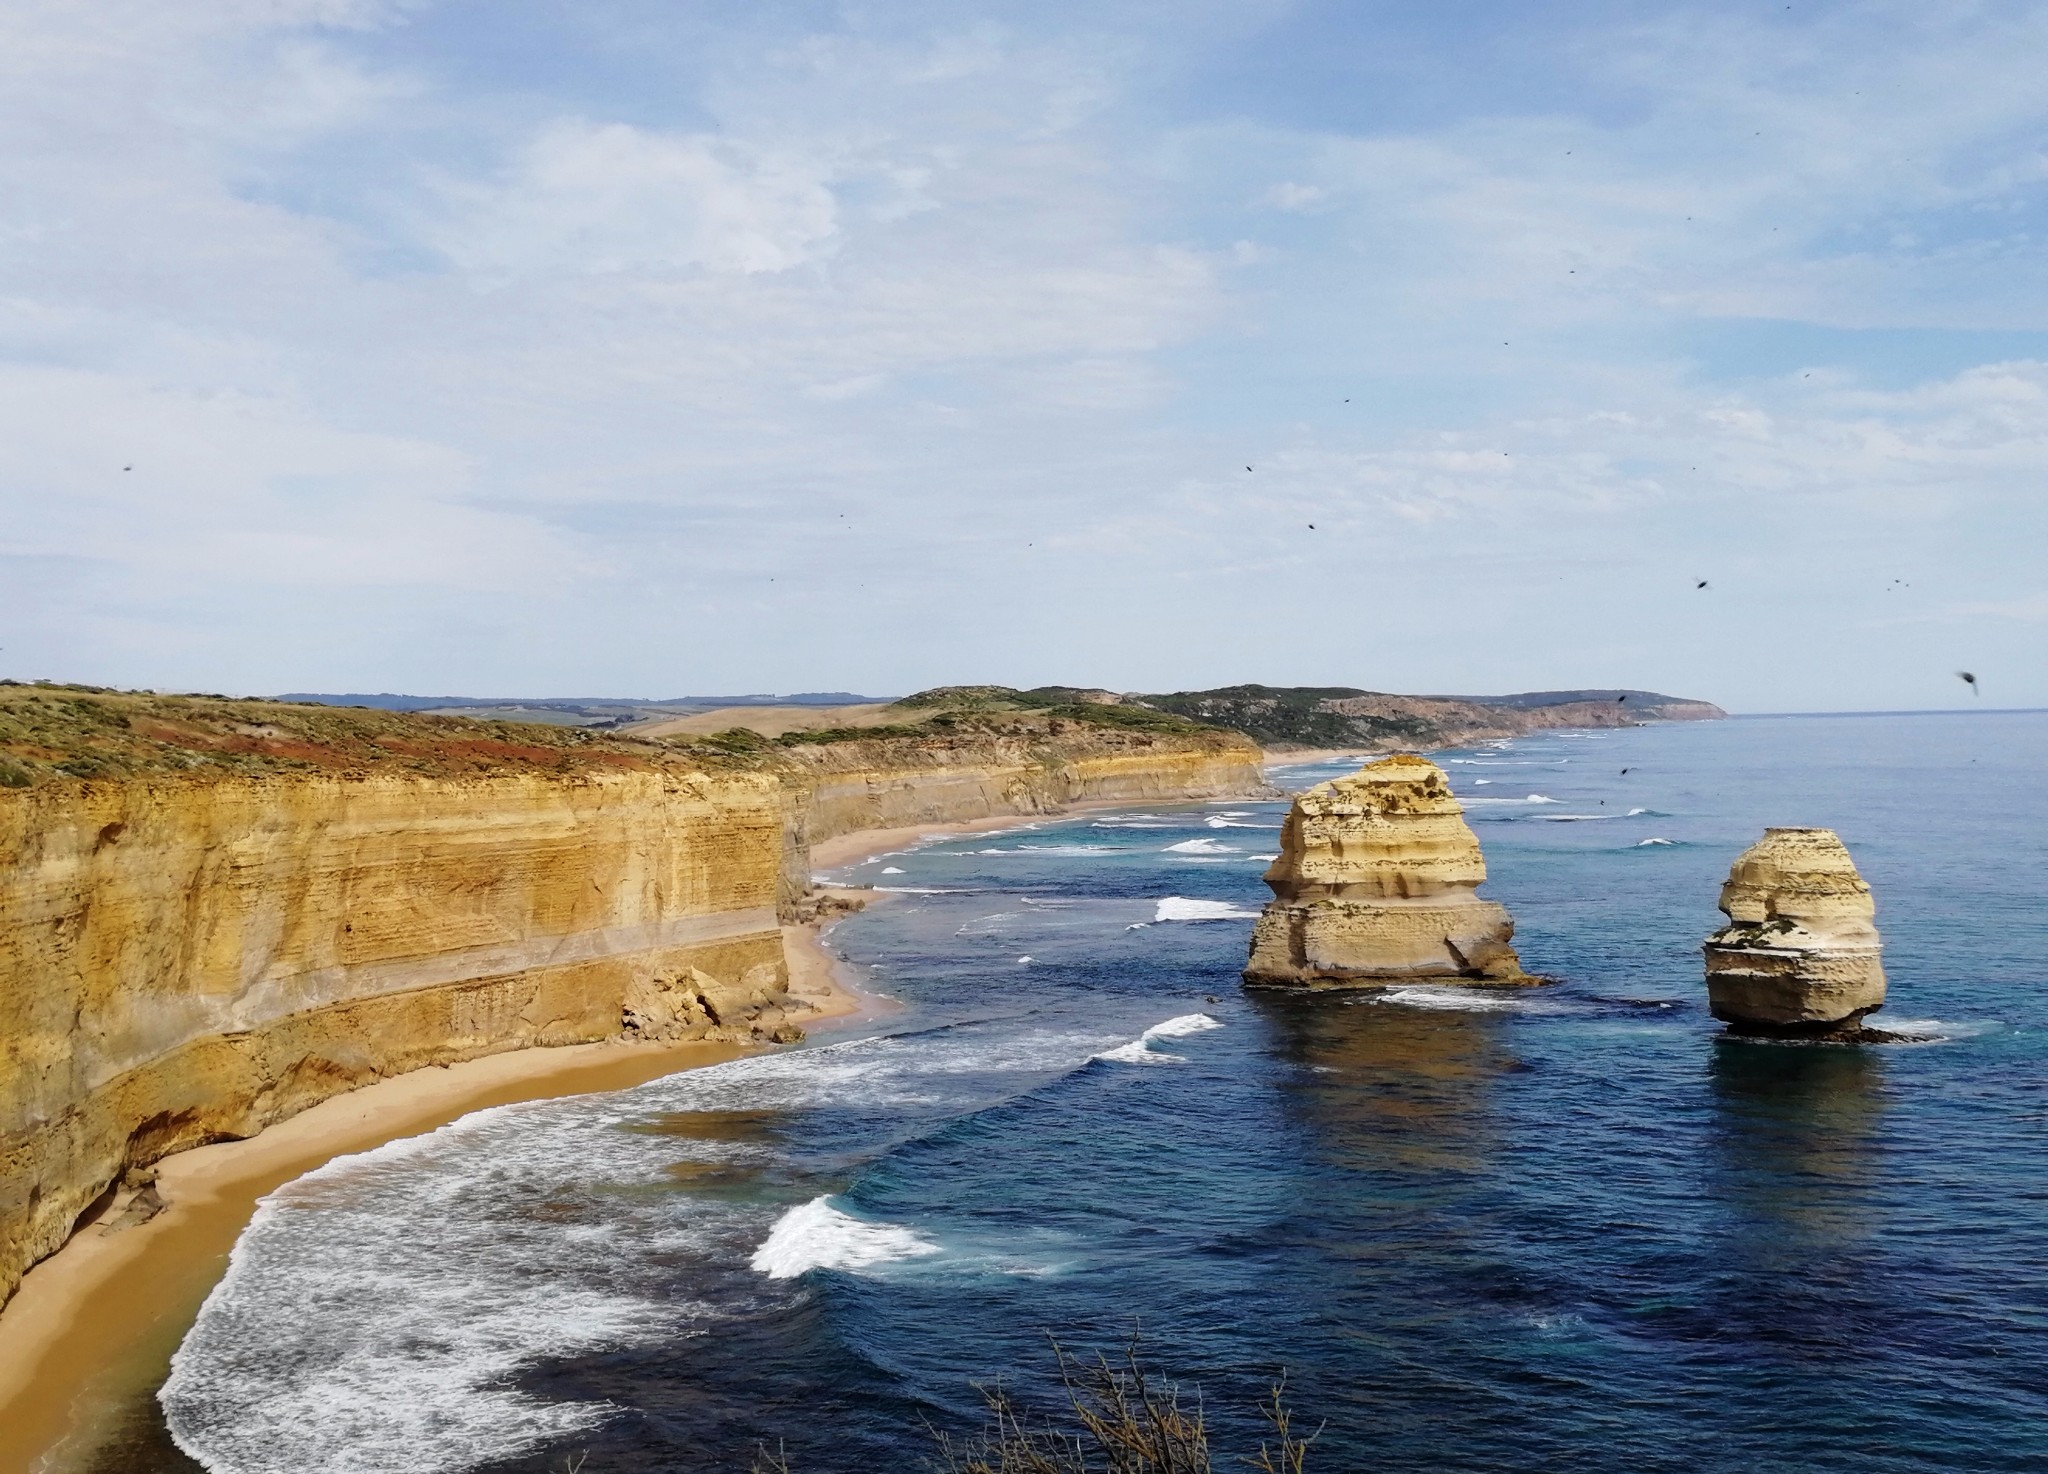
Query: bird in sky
{"points": [[1701, 584], [1624, 772], [1311, 527], [1622, 697], [1970, 680], [1247, 468]]}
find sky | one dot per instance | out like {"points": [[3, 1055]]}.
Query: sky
{"points": [[630, 348]]}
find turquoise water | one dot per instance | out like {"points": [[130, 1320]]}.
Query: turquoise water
{"points": [[1564, 1229]]}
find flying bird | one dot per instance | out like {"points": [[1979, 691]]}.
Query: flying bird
{"points": [[1622, 697], [1624, 772], [1247, 468], [1701, 584], [1311, 527], [1970, 680]]}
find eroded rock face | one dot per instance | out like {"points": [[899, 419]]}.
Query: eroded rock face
{"points": [[1377, 883], [1800, 953]]}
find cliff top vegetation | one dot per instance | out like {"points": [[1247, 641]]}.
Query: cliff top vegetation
{"points": [[56, 732], [51, 732]]}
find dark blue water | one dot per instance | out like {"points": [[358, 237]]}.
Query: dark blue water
{"points": [[1567, 1229]]}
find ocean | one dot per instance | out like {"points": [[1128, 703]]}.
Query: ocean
{"points": [[1571, 1228]]}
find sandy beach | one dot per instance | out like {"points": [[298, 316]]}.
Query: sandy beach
{"points": [[93, 1327]]}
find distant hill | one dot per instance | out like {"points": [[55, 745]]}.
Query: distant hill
{"points": [[572, 711], [1280, 718], [1302, 717]]}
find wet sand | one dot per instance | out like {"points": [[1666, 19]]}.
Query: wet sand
{"points": [[89, 1336]]}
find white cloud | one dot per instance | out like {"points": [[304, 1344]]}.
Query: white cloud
{"points": [[607, 197]]}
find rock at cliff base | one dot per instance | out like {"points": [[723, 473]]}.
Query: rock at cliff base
{"points": [[1377, 883], [1800, 954]]}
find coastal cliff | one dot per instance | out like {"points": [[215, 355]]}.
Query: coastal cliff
{"points": [[214, 914], [887, 783], [1377, 882]]}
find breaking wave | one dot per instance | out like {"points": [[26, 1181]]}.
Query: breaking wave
{"points": [[1185, 908], [1140, 1051], [819, 1236]]}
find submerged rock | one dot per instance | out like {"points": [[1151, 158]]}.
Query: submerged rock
{"points": [[1376, 883], [1800, 954]]}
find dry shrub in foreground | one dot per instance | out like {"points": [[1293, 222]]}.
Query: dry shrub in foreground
{"points": [[1119, 1420]]}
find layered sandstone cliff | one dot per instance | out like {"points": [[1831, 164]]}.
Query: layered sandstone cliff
{"points": [[1800, 953], [214, 914], [1377, 882]]}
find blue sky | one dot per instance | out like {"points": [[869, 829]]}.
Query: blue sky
{"points": [[654, 348]]}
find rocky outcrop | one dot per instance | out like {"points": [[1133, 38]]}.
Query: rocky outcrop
{"points": [[1800, 953], [1377, 883]]}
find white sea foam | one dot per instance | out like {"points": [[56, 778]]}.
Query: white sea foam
{"points": [[1933, 1030], [1182, 1026], [1184, 908], [892, 869], [1481, 782], [1537, 798], [1235, 821], [1633, 812], [1200, 847], [1453, 999], [1140, 1051], [377, 1313], [1262, 857], [922, 890], [819, 1236], [1576, 818], [1652, 840]]}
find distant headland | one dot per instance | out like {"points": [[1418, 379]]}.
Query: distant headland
{"points": [[1279, 718]]}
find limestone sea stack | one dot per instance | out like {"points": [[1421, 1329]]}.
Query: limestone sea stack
{"points": [[1376, 883], [1799, 955]]}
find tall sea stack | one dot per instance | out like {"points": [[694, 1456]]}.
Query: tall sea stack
{"points": [[1376, 883], [1799, 956]]}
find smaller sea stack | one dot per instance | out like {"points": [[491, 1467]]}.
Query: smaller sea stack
{"points": [[1376, 883], [1799, 956]]}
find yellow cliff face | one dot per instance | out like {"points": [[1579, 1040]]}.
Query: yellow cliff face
{"points": [[183, 962], [892, 783], [1801, 950], [1376, 882]]}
